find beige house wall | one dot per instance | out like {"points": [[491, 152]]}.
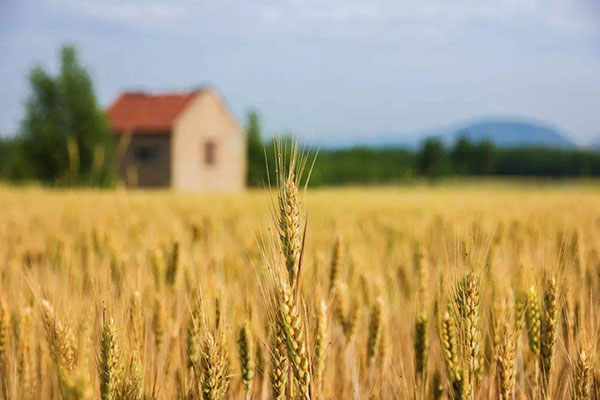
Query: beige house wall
{"points": [[207, 119]]}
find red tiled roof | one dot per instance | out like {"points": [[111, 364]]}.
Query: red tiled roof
{"points": [[145, 112]]}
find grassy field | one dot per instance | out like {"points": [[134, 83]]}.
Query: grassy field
{"points": [[458, 291]]}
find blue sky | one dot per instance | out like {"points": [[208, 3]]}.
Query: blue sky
{"points": [[331, 71]]}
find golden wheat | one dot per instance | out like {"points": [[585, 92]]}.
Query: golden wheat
{"points": [[178, 275]]}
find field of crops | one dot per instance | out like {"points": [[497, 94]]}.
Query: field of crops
{"points": [[472, 291]]}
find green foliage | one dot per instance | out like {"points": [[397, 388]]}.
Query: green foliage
{"points": [[472, 159], [483, 158], [363, 165], [65, 136], [13, 165], [546, 162], [256, 159], [432, 159], [460, 154], [356, 165]]}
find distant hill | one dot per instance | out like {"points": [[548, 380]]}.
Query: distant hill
{"points": [[512, 134], [502, 132]]}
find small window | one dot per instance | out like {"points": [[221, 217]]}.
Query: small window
{"points": [[147, 154], [210, 153]]}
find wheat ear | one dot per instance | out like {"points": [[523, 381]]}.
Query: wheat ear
{"points": [[215, 381], [420, 346], [505, 359], [60, 338], [533, 321], [449, 343], [293, 328], [278, 371], [289, 225], [246, 355], [109, 363], [582, 376], [336, 260], [374, 331], [549, 328], [468, 304]]}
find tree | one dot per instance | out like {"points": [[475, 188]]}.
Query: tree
{"points": [[256, 159], [460, 154], [65, 133], [473, 159], [432, 159], [482, 158], [13, 165]]}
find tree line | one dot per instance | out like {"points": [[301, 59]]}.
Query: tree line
{"points": [[483, 158], [432, 160]]}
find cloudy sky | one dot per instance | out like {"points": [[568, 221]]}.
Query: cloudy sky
{"points": [[329, 70]]}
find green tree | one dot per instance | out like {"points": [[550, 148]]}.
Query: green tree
{"points": [[256, 159], [432, 159], [460, 155], [473, 159], [13, 165], [65, 133], [482, 158]]}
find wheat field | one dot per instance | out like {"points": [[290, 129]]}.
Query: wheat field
{"points": [[453, 291]]}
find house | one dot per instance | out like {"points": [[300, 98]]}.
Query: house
{"points": [[187, 141]]}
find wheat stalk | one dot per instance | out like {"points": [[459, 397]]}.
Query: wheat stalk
{"points": [[320, 352], [25, 356], [4, 325], [136, 319]]}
